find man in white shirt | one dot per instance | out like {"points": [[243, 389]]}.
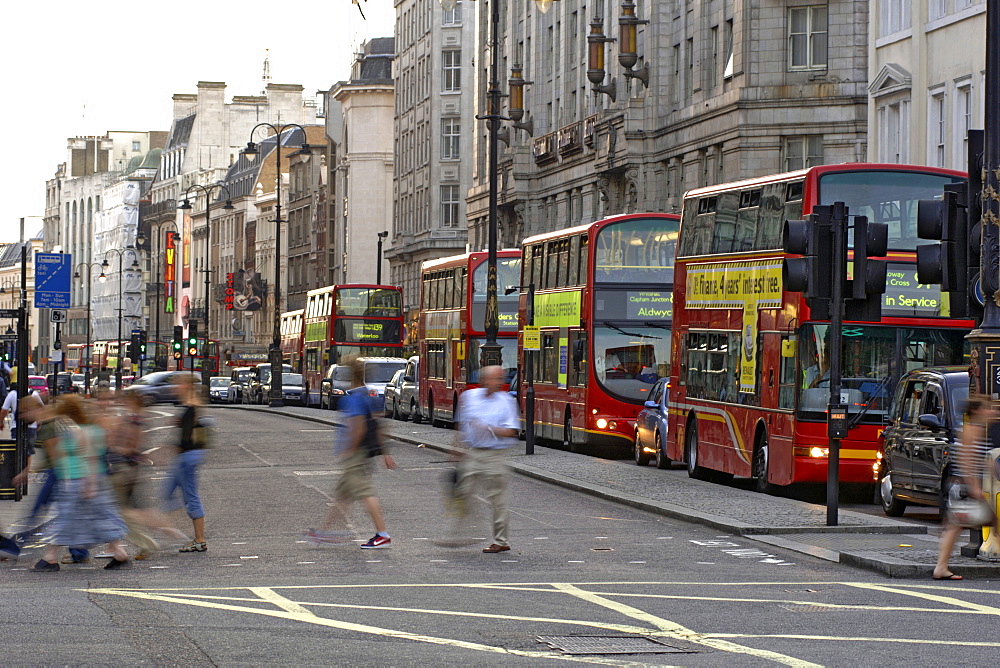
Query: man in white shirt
{"points": [[488, 422], [10, 408]]}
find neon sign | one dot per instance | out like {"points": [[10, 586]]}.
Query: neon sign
{"points": [[230, 292], [170, 273]]}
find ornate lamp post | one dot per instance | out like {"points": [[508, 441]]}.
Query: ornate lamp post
{"points": [[121, 289], [206, 373], [274, 354], [89, 266]]}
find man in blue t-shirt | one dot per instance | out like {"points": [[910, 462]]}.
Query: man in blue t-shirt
{"points": [[356, 482]]}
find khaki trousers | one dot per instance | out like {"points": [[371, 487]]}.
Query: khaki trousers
{"points": [[488, 469]]}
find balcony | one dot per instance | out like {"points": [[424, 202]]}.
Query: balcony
{"points": [[157, 209], [544, 149], [570, 140]]}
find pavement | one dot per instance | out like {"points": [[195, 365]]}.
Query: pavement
{"points": [[897, 548]]}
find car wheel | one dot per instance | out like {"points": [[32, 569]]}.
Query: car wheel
{"points": [[762, 467], [641, 458], [662, 461], [891, 506], [694, 470], [415, 412], [947, 482]]}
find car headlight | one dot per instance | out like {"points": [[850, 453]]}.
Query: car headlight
{"points": [[338, 392]]}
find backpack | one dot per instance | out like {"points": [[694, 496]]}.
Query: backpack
{"points": [[372, 442], [203, 433]]}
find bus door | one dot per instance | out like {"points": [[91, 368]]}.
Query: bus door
{"points": [[456, 363]]}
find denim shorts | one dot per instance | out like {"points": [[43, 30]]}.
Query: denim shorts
{"points": [[184, 475]]}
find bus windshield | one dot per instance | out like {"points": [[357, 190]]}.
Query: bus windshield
{"points": [[884, 197], [629, 358], [508, 274], [874, 358], [636, 251], [369, 302]]}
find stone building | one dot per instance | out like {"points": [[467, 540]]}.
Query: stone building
{"points": [[359, 113], [435, 50], [10, 298], [735, 90], [206, 136], [925, 93]]}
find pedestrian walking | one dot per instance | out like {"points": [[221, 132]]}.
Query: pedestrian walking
{"points": [[969, 458], [86, 513], [488, 421], [191, 453], [124, 460], [356, 447], [10, 408]]}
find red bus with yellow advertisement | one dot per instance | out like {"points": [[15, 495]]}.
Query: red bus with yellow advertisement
{"points": [[750, 380], [452, 327], [603, 303]]}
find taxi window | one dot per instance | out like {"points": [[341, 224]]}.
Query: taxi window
{"points": [[912, 401]]}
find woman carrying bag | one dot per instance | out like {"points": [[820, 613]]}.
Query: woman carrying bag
{"points": [[970, 458]]}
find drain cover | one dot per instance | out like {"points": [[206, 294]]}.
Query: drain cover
{"points": [[608, 645]]}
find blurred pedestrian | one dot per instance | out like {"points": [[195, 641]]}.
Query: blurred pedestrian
{"points": [[191, 452], [86, 513], [124, 460], [10, 408], [969, 458], [488, 421], [355, 448]]}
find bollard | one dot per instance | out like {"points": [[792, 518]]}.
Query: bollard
{"points": [[990, 549]]}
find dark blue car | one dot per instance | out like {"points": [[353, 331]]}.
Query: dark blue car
{"points": [[651, 427]]}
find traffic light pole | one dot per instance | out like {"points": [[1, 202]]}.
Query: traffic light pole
{"points": [[836, 411]]}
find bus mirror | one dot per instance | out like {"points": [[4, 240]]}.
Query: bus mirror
{"points": [[788, 348]]}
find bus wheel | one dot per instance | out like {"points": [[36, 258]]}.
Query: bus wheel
{"points": [[641, 458], [568, 434], [415, 412], [431, 417], [662, 461], [691, 453], [761, 466]]}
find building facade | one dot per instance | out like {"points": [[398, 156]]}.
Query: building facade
{"points": [[733, 90], [10, 298], [925, 94], [361, 164], [433, 132]]}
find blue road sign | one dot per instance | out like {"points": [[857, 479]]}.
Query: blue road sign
{"points": [[53, 272]]}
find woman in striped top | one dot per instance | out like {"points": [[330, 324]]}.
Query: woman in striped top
{"points": [[970, 458]]}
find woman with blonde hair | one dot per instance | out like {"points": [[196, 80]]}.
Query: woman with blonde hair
{"points": [[184, 475]]}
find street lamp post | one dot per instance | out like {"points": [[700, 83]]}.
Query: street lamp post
{"points": [[274, 354], [140, 240], [378, 266], [206, 373], [121, 290], [90, 297]]}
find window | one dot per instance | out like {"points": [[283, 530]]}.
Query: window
{"points": [[893, 130], [936, 125], [936, 9], [676, 89], [449, 206], [136, 146], [713, 72], [730, 65], [803, 152], [550, 358], [807, 38], [963, 116], [452, 17], [450, 138], [894, 16], [689, 68], [451, 70]]}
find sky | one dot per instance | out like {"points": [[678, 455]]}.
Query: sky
{"points": [[77, 68]]}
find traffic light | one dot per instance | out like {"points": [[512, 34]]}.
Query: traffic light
{"points": [[954, 263], [142, 344], [811, 274], [133, 346], [178, 344], [867, 286], [193, 338]]}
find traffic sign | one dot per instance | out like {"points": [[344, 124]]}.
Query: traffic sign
{"points": [[8, 337], [55, 356], [52, 280], [57, 315], [8, 313], [532, 338]]}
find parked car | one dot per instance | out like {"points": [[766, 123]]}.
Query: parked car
{"points": [[924, 421], [651, 427], [158, 387], [402, 396], [292, 389], [334, 386], [378, 373], [218, 389], [238, 379], [40, 385], [260, 376], [64, 382]]}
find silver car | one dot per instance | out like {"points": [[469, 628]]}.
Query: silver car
{"points": [[218, 389]]}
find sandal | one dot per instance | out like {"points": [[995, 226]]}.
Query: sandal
{"points": [[194, 546]]}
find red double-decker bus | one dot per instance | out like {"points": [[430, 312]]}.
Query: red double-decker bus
{"points": [[344, 321], [603, 303], [291, 339], [452, 327], [750, 381]]}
